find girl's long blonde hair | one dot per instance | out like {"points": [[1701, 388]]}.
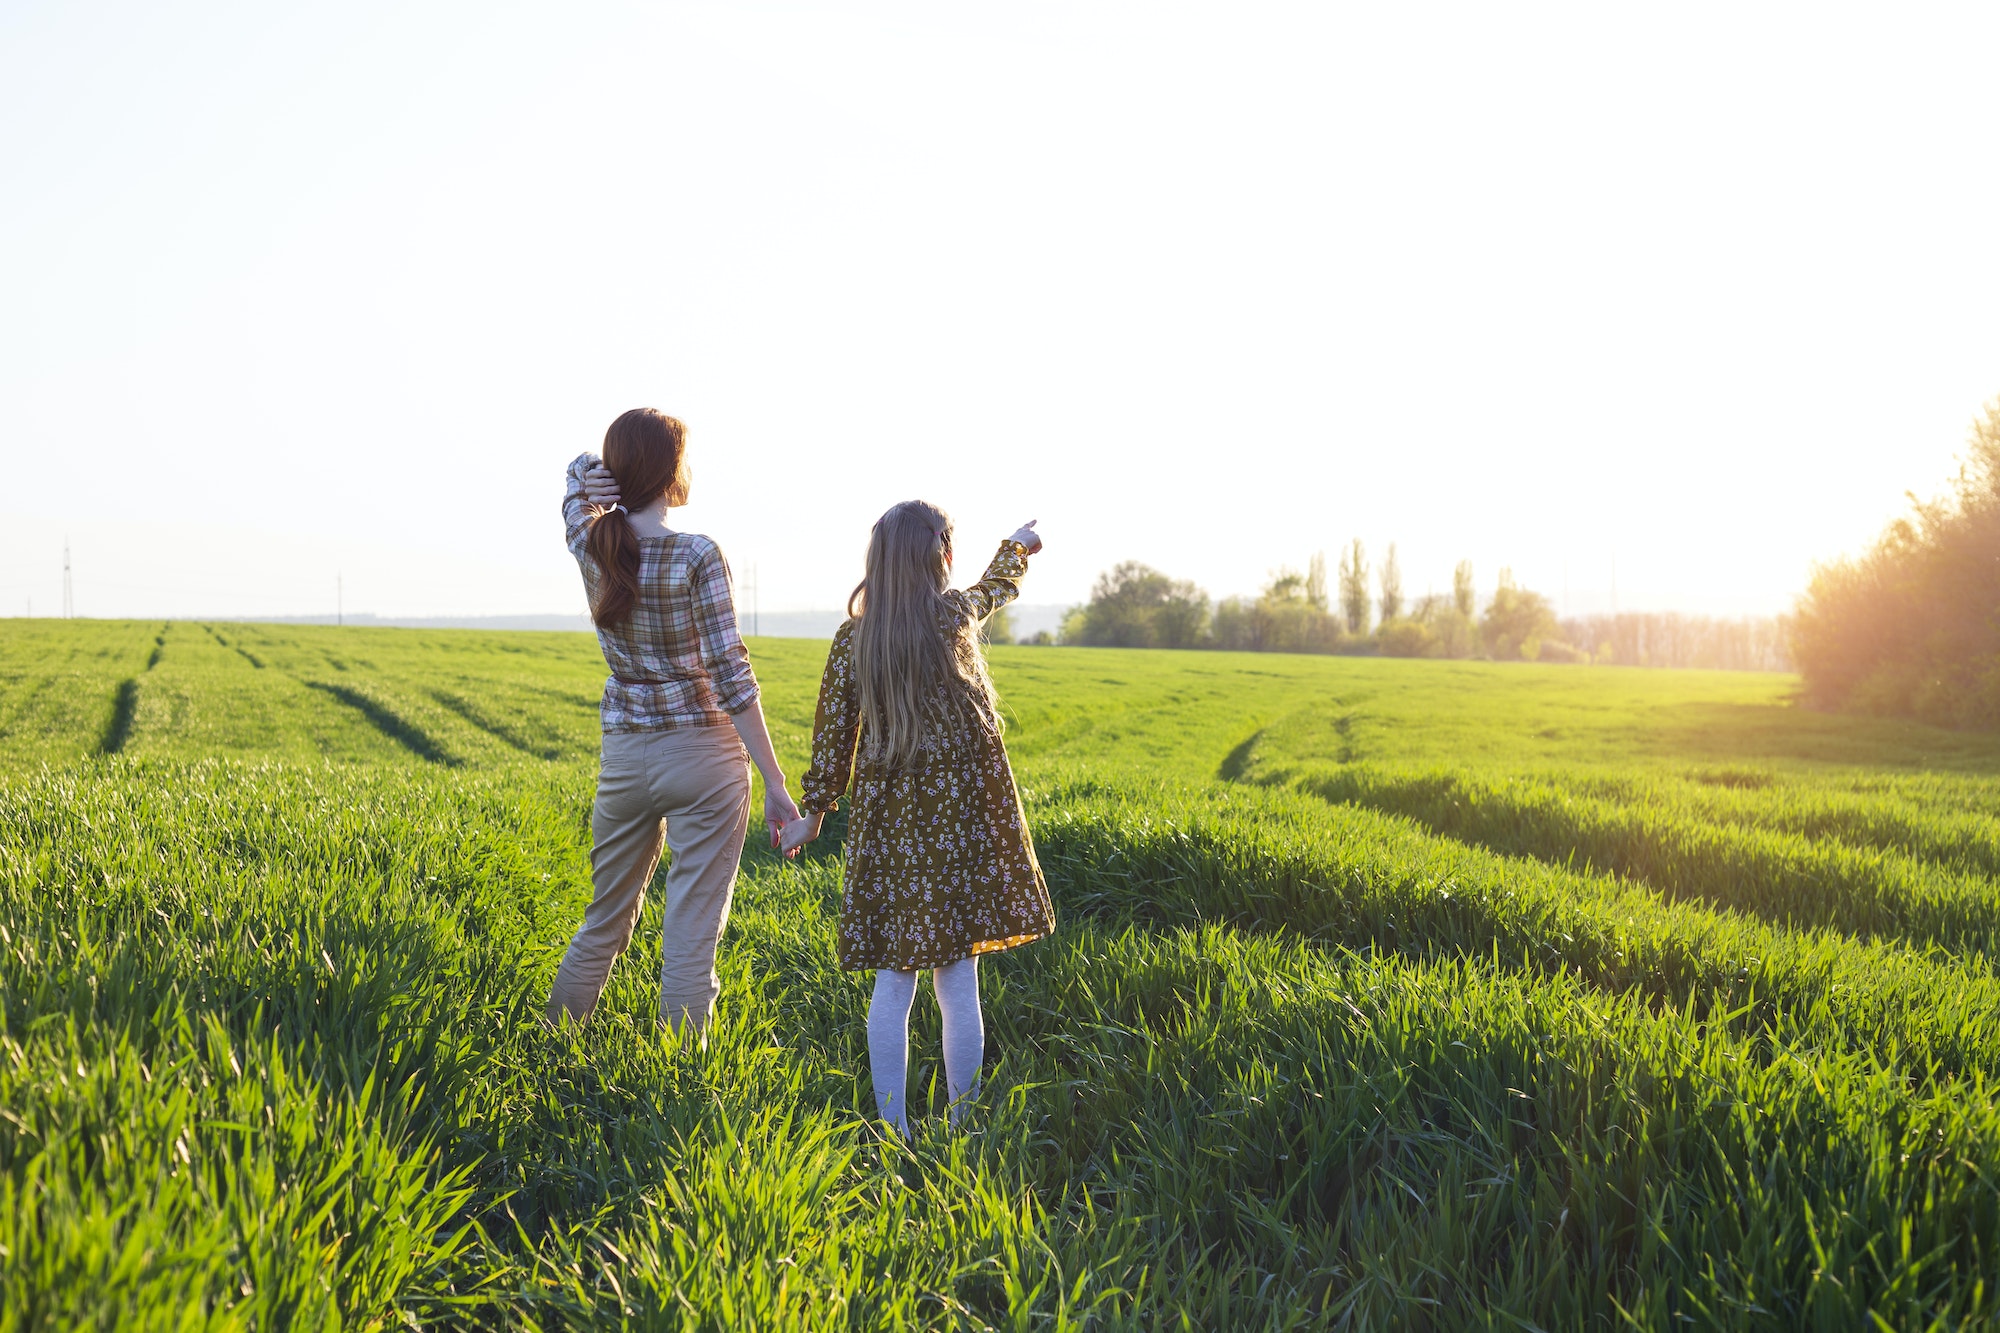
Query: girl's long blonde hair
{"points": [[908, 646]]}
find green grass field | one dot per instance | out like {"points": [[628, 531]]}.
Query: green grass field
{"points": [[1385, 994]]}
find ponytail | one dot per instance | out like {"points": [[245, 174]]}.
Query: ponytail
{"points": [[646, 451], [613, 545]]}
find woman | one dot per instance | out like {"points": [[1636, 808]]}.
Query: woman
{"points": [[680, 711]]}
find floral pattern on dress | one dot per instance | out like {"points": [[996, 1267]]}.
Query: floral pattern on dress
{"points": [[939, 862]]}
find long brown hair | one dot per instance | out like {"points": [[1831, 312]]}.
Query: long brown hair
{"points": [[646, 451], [907, 645]]}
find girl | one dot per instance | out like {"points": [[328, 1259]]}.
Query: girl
{"points": [[939, 866], [680, 711]]}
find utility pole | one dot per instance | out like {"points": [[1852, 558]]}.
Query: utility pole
{"points": [[339, 600], [69, 596]]}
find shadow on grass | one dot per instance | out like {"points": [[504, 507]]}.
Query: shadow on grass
{"points": [[1235, 765], [1765, 732], [405, 734], [505, 735], [119, 729]]}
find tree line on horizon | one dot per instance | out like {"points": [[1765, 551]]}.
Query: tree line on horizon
{"points": [[1911, 627], [1134, 605]]}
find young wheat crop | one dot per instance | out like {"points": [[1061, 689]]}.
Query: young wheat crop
{"points": [[1372, 1003]]}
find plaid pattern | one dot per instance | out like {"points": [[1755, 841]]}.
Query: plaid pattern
{"points": [[677, 660]]}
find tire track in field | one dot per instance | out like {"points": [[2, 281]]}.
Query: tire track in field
{"points": [[390, 723], [1383, 885], [500, 733], [1784, 878], [1235, 766], [125, 702], [385, 720], [238, 648]]}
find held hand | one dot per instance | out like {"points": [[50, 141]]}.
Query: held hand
{"points": [[779, 812], [798, 833], [1028, 537], [600, 487]]}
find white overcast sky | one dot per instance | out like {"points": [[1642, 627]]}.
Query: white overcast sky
{"points": [[297, 291]]}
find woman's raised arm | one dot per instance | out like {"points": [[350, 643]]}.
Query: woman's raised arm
{"points": [[588, 487]]}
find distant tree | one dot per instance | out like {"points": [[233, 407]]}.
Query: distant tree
{"points": [[1671, 639], [1463, 595], [1354, 597], [1121, 603], [1181, 619], [1040, 639], [1287, 585], [1136, 606], [1316, 581], [1453, 633], [1406, 638], [1392, 586], [1285, 618], [1236, 626], [998, 627], [1909, 627], [1516, 621], [1433, 627], [1282, 619]]}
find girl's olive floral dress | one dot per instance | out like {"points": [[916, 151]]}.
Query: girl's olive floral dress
{"points": [[939, 865]]}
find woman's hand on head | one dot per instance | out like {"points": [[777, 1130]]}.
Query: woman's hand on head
{"points": [[600, 487], [1027, 536]]}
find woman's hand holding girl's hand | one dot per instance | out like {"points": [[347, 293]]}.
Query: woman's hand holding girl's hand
{"points": [[1027, 536], [599, 486], [799, 832], [780, 811]]}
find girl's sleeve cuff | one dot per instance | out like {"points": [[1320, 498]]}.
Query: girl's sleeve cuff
{"points": [[1009, 562]]}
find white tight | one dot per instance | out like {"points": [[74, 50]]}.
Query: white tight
{"points": [[957, 987]]}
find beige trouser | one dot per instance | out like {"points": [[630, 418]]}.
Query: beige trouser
{"points": [[692, 786]]}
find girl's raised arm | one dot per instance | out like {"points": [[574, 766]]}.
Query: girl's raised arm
{"points": [[1001, 583]]}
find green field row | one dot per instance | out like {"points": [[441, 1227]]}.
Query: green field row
{"points": [[319, 988], [1675, 847], [1422, 995], [456, 697]]}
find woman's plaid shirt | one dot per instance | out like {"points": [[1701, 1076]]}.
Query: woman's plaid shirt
{"points": [[677, 660]]}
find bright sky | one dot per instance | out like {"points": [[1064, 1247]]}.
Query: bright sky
{"points": [[291, 292]]}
